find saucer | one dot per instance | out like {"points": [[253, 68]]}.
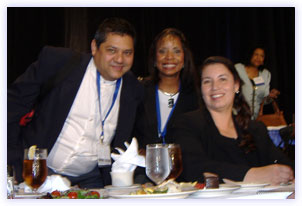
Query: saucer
{"points": [[111, 187], [114, 190]]}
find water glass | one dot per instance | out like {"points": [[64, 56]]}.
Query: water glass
{"points": [[157, 162]]}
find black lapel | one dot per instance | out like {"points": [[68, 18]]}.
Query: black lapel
{"points": [[127, 111]]}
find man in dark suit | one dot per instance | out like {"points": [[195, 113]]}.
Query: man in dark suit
{"points": [[83, 116]]}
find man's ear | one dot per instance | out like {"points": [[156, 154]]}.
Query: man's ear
{"points": [[94, 47]]}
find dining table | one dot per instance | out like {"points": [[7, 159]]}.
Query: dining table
{"points": [[225, 191]]}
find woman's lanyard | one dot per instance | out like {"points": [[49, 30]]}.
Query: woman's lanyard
{"points": [[162, 133], [117, 87]]}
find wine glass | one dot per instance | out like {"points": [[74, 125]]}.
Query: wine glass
{"points": [[157, 162], [34, 168], [176, 161]]}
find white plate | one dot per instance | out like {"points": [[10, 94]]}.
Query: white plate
{"points": [[177, 195], [246, 186], [251, 186], [28, 195], [223, 190]]}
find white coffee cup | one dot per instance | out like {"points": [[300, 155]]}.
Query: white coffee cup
{"points": [[122, 179]]}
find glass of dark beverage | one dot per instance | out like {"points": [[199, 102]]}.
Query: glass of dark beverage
{"points": [[34, 168], [176, 161]]}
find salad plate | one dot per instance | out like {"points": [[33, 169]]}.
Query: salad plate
{"points": [[176, 195], [111, 187]]}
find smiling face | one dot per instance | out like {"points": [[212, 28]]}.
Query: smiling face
{"points": [[257, 58], [114, 57], [218, 87], [169, 56]]}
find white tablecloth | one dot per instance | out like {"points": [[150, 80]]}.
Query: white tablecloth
{"points": [[268, 192]]}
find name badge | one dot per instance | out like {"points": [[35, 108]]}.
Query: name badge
{"points": [[258, 81], [104, 158]]}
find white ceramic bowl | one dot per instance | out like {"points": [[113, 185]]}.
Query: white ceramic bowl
{"points": [[122, 179]]}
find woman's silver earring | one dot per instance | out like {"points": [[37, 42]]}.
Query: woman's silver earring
{"points": [[237, 92]]}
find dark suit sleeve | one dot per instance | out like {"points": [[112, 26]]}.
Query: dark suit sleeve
{"points": [[22, 95], [192, 134]]}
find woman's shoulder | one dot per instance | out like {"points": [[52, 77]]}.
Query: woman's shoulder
{"points": [[256, 124], [239, 66], [257, 127], [266, 75], [240, 69], [194, 118], [265, 72]]}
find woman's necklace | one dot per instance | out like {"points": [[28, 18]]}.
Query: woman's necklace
{"points": [[170, 100]]}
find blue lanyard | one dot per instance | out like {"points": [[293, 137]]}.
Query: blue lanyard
{"points": [[162, 133], [117, 87]]}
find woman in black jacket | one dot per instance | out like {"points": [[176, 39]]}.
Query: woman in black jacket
{"points": [[221, 138]]}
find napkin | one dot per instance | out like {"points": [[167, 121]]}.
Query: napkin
{"points": [[52, 183], [127, 160]]}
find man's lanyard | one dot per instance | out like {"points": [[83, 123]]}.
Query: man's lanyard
{"points": [[117, 87], [162, 133]]}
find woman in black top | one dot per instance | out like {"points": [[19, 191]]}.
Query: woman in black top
{"points": [[170, 90], [222, 139]]}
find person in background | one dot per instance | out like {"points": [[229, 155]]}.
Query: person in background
{"points": [[221, 138], [84, 116], [256, 79], [170, 90]]}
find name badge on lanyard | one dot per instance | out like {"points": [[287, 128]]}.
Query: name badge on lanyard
{"points": [[258, 81], [104, 158], [104, 151]]}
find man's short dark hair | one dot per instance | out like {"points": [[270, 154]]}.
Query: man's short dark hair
{"points": [[114, 25]]}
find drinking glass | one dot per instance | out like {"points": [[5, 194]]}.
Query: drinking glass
{"points": [[34, 168], [10, 182], [176, 161], [157, 162]]}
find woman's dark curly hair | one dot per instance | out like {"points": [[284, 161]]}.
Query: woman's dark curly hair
{"points": [[188, 75], [243, 116]]}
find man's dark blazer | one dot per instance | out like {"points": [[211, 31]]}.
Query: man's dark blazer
{"points": [[146, 127], [52, 111]]}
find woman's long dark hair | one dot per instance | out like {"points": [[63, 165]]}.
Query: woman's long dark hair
{"points": [[188, 75], [243, 116]]}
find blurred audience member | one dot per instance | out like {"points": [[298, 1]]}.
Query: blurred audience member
{"points": [[256, 79]]}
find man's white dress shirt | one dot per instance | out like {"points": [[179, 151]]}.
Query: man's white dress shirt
{"points": [[76, 149]]}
